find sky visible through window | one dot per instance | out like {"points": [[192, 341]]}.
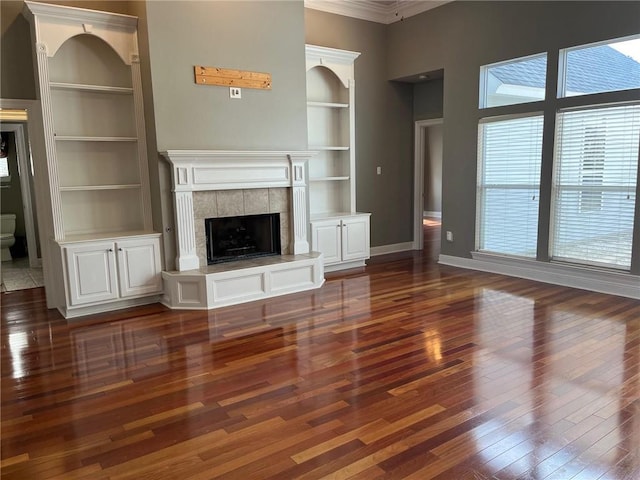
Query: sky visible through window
{"points": [[631, 48]]}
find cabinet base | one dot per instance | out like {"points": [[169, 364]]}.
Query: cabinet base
{"points": [[71, 313], [244, 281], [345, 265]]}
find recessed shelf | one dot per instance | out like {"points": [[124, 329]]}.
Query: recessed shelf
{"points": [[80, 87], [91, 188], [328, 179], [328, 104], [79, 138], [328, 147], [110, 234]]}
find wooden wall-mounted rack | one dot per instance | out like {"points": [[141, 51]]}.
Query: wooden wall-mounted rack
{"points": [[227, 77]]}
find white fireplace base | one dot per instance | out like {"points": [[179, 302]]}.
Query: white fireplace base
{"points": [[242, 281]]}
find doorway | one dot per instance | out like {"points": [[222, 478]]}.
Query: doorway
{"points": [[427, 203], [25, 269]]}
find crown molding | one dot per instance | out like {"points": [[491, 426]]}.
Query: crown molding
{"points": [[79, 15], [375, 11]]}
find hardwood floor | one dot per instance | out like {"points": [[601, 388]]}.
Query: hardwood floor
{"points": [[405, 370]]}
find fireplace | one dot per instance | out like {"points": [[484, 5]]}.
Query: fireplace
{"points": [[242, 237], [221, 184]]}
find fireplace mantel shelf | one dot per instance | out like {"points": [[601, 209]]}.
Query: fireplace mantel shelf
{"points": [[201, 170]]}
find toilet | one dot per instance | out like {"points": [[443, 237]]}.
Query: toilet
{"points": [[7, 229]]}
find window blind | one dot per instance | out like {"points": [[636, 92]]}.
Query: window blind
{"points": [[594, 188], [509, 158]]}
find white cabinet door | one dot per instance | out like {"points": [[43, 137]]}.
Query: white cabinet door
{"points": [[355, 238], [325, 238], [139, 268], [91, 271]]}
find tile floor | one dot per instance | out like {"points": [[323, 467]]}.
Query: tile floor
{"points": [[16, 275]]}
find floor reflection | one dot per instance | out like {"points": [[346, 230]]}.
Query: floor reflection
{"points": [[403, 369], [108, 354], [571, 416]]}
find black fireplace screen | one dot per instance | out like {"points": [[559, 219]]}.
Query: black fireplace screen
{"points": [[234, 238]]}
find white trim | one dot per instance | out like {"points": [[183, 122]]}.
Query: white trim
{"points": [[81, 15], [603, 281], [55, 24], [392, 248], [375, 11], [339, 61], [511, 116], [418, 178]]}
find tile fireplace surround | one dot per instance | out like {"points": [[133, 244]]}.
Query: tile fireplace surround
{"points": [[215, 183]]}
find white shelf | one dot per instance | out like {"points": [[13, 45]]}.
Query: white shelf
{"points": [[328, 148], [83, 237], [91, 188], [328, 104], [328, 179], [79, 87], [334, 215], [79, 138]]}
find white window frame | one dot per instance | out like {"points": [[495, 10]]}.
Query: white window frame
{"points": [[562, 65], [484, 80]]}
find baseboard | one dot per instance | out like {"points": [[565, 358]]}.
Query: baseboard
{"points": [[595, 280], [393, 248], [428, 213]]}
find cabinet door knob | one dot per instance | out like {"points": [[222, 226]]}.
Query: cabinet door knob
{"points": [[119, 249], [110, 250]]}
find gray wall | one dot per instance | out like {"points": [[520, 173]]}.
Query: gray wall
{"points": [[384, 126], [16, 65], [462, 36], [427, 99], [253, 35]]}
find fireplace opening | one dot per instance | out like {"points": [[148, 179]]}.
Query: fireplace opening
{"points": [[236, 238]]}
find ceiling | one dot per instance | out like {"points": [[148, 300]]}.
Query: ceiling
{"points": [[380, 11]]}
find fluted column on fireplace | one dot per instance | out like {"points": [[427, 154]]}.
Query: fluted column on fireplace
{"points": [[300, 203]]}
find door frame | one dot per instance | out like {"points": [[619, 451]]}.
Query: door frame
{"points": [[420, 145], [24, 167]]}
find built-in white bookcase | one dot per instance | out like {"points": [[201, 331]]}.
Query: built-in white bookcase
{"points": [[96, 158], [96, 139], [332, 172]]}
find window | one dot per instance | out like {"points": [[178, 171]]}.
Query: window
{"points": [[4, 161], [509, 159], [516, 81], [594, 189], [4, 169], [602, 67]]}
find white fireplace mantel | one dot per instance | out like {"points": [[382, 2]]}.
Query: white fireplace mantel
{"points": [[204, 170]]}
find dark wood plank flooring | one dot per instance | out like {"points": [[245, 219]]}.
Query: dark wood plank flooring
{"points": [[403, 370]]}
